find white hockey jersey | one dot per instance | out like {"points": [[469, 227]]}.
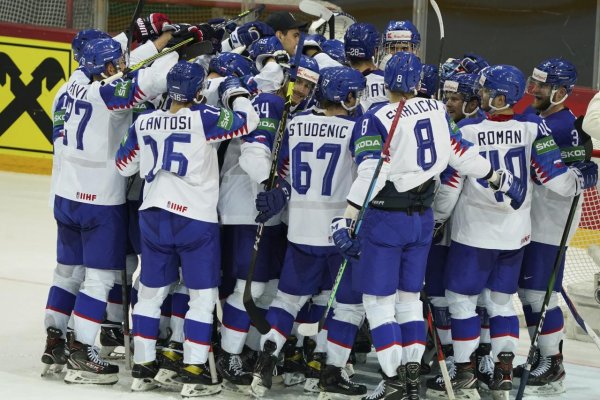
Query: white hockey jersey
{"points": [[321, 171], [518, 143], [375, 92], [96, 119], [174, 154]]}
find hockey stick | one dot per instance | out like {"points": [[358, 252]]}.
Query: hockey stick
{"points": [[312, 329], [438, 13], [256, 314], [149, 60], [124, 284], [318, 10], [536, 334], [580, 321], [438, 348], [258, 10]]}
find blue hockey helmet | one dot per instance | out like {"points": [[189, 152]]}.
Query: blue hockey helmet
{"points": [[361, 41], [264, 48], [226, 64], [401, 32], [429, 80], [99, 52], [84, 36], [403, 72], [335, 49], [184, 81], [466, 86], [336, 83], [550, 75], [308, 69], [506, 80]]}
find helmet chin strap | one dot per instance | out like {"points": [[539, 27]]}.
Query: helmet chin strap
{"points": [[467, 114], [496, 108], [552, 102]]}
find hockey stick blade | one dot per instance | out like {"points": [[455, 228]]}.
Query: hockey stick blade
{"points": [[311, 7], [197, 50], [579, 319]]}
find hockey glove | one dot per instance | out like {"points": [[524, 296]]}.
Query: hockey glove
{"points": [[149, 28], [249, 33], [587, 173], [183, 32], [229, 26], [511, 186], [271, 202], [231, 88], [250, 84], [282, 58], [341, 233]]}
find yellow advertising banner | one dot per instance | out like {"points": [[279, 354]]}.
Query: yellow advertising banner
{"points": [[31, 73]]}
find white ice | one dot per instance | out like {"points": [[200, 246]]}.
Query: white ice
{"points": [[27, 259]]}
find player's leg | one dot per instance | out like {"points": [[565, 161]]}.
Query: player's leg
{"points": [[198, 245], [547, 375], [378, 275], [300, 278], [67, 279], [104, 248], [158, 272], [435, 289], [504, 324]]}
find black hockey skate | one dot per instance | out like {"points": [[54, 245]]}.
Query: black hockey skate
{"points": [[316, 361], [485, 365], [518, 371], [463, 378], [334, 383], [197, 381], [111, 337], [501, 383], [170, 362], [235, 378], [54, 357], [413, 380], [390, 388], [294, 364], [84, 365], [548, 378], [143, 376], [262, 377]]}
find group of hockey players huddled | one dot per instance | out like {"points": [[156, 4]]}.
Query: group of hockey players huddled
{"points": [[170, 165]]}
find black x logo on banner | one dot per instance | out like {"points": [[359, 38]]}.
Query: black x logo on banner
{"points": [[26, 96]]}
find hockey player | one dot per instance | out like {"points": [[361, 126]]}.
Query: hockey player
{"points": [[487, 261], [180, 201], [361, 43], [460, 97], [287, 29], [398, 36], [391, 267], [320, 161], [90, 195], [550, 84]]}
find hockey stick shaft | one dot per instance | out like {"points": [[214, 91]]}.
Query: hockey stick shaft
{"points": [[438, 349], [314, 328], [438, 13], [256, 315], [145, 62], [580, 321], [258, 10], [549, 289]]}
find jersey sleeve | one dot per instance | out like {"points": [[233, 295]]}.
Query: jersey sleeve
{"points": [[255, 158], [58, 116], [127, 158], [222, 124], [591, 121], [548, 168], [368, 137], [464, 155], [446, 197]]}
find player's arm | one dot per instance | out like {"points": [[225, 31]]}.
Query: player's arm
{"points": [[58, 116], [127, 159], [238, 117], [446, 197], [465, 157]]}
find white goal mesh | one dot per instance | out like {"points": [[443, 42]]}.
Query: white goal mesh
{"points": [[47, 12]]}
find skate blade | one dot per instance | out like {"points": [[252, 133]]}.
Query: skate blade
{"points": [[311, 385], [112, 353], [232, 387], [82, 377], [338, 396], [550, 389], [293, 378], [256, 388], [143, 384], [197, 390], [500, 394], [462, 394], [166, 379], [52, 369]]}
